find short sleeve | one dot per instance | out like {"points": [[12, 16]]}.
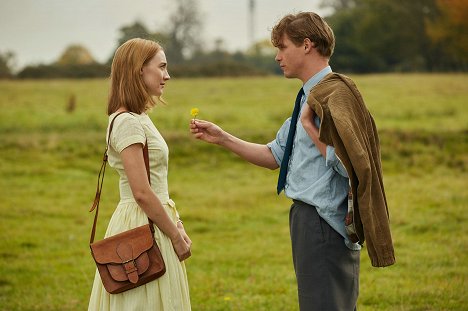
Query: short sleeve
{"points": [[278, 145], [127, 131]]}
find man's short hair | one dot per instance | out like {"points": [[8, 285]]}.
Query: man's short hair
{"points": [[304, 25]]}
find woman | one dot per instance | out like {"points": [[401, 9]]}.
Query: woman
{"points": [[139, 72]]}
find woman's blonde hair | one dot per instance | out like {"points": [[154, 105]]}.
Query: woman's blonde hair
{"points": [[127, 88]]}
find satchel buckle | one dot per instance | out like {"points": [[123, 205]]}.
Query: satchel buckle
{"points": [[131, 269], [127, 261], [130, 266]]}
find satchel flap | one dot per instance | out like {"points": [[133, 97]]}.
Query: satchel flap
{"points": [[105, 251], [120, 272]]}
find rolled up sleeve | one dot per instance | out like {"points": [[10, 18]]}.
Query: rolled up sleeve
{"points": [[333, 161], [278, 145]]}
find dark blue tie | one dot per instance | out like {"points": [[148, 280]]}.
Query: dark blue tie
{"points": [[289, 142]]}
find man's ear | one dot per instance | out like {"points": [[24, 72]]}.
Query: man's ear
{"points": [[308, 45]]}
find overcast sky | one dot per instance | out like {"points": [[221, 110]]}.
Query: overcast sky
{"points": [[38, 31]]}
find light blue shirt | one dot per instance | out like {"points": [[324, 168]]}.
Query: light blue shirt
{"points": [[311, 178]]}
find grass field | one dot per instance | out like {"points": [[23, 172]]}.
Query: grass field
{"points": [[241, 260]]}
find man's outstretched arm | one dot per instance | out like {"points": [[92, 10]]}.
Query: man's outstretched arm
{"points": [[254, 153]]}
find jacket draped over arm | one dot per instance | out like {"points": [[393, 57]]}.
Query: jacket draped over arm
{"points": [[347, 125]]}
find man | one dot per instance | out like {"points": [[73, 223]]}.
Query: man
{"points": [[326, 184]]}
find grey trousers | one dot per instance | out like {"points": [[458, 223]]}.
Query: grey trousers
{"points": [[327, 271]]}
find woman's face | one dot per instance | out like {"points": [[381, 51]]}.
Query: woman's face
{"points": [[155, 74]]}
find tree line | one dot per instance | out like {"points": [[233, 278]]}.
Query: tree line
{"points": [[400, 35], [372, 36]]}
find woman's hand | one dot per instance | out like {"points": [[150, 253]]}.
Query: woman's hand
{"points": [[206, 131], [180, 227], [181, 247]]}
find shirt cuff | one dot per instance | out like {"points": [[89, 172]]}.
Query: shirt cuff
{"points": [[332, 160]]}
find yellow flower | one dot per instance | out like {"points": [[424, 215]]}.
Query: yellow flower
{"points": [[194, 112]]}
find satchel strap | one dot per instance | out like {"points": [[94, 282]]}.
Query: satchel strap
{"points": [[102, 171]]}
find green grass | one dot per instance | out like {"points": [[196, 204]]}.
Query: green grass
{"points": [[241, 260]]}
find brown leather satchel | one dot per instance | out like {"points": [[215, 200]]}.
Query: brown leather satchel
{"points": [[131, 258]]}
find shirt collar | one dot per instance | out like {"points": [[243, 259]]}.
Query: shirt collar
{"points": [[315, 79]]}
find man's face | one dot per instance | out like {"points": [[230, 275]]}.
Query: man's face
{"points": [[290, 57]]}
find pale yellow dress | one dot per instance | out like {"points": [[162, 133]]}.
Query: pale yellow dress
{"points": [[170, 292]]}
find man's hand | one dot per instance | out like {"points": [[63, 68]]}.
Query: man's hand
{"points": [[206, 131], [257, 154], [307, 120]]}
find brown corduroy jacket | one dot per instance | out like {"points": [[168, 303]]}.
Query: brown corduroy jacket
{"points": [[347, 125]]}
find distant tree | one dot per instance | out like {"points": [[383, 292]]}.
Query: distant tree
{"points": [[261, 55], [180, 39], [448, 33], [262, 48], [184, 31], [219, 53], [75, 55], [76, 62], [219, 44], [382, 35], [6, 64], [69, 71], [138, 30]]}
